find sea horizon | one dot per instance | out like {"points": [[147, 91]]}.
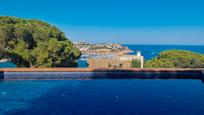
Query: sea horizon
{"points": [[139, 43], [164, 44], [140, 57]]}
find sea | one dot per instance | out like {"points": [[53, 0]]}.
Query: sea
{"points": [[7, 65], [151, 51], [148, 51]]}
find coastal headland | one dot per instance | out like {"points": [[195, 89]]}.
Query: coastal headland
{"points": [[102, 48]]}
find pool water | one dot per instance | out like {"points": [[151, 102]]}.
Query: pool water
{"points": [[102, 97]]}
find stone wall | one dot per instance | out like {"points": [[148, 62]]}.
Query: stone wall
{"points": [[108, 63]]}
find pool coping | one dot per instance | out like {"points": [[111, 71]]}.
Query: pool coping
{"points": [[100, 73], [94, 69]]}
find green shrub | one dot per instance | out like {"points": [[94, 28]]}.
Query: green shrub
{"points": [[176, 59], [135, 63], [33, 43]]}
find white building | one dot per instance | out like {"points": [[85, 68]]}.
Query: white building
{"points": [[4, 60], [133, 57]]}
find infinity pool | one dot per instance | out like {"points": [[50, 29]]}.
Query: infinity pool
{"points": [[102, 97]]}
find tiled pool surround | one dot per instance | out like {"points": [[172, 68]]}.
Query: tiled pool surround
{"points": [[99, 73]]}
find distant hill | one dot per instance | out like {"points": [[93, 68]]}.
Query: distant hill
{"points": [[102, 48], [176, 59], [33, 43]]}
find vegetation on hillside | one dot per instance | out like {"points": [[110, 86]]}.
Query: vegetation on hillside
{"points": [[33, 43], [176, 59], [135, 63]]}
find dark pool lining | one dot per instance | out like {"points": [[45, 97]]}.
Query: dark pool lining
{"points": [[99, 74]]}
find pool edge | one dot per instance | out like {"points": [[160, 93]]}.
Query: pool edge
{"points": [[100, 73]]}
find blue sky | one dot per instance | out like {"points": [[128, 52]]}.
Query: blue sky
{"points": [[121, 21]]}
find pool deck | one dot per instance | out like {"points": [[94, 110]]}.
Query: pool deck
{"points": [[99, 73]]}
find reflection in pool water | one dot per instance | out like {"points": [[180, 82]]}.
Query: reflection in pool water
{"points": [[102, 97]]}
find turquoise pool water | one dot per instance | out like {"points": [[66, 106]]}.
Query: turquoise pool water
{"points": [[102, 97]]}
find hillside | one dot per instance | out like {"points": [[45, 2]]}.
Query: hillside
{"points": [[102, 48], [176, 59], [33, 43]]}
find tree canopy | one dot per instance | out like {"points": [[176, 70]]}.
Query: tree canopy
{"points": [[176, 59], [33, 43], [135, 63]]}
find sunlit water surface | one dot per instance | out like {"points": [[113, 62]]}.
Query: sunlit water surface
{"points": [[102, 97]]}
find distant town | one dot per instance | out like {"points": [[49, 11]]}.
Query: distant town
{"points": [[49, 48], [108, 55], [101, 48]]}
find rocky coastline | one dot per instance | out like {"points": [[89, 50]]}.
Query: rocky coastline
{"points": [[102, 48]]}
